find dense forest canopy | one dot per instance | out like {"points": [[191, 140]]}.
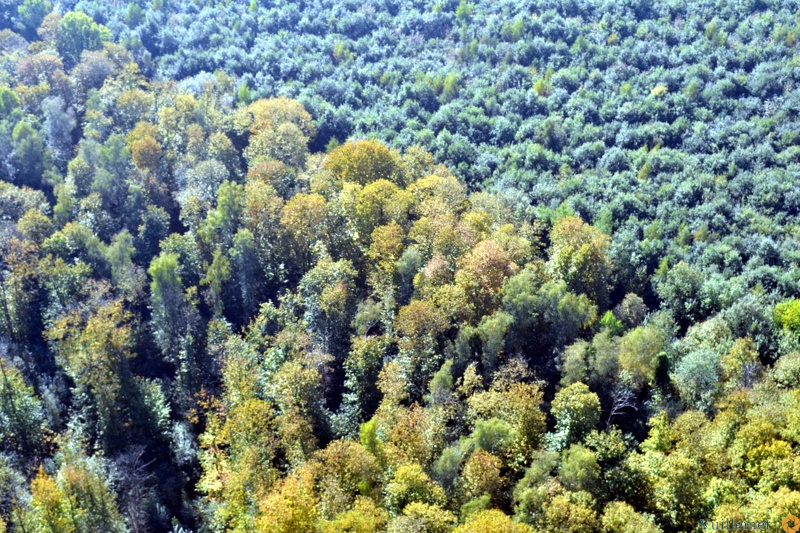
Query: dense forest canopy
{"points": [[398, 266]]}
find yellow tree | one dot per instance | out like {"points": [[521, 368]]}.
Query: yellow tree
{"points": [[291, 506], [238, 449], [344, 471], [303, 223], [418, 326], [77, 499], [269, 114], [363, 162], [387, 245], [482, 272], [517, 404], [491, 521], [94, 352]]}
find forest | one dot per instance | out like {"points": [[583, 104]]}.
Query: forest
{"points": [[399, 266]]}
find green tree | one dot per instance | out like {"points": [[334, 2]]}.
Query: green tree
{"points": [[22, 423], [579, 469], [577, 411], [249, 277], [95, 354], [217, 276], [410, 484], [175, 321], [78, 32], [120, 255], [546, 315], [166, 300], [638, 354], [696, 376], [31, 15], [579, 256], [327, 291], [30, 154], [680, 290], [620, 517]]}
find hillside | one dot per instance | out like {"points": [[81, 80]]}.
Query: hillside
{"points": [[401, 266]]}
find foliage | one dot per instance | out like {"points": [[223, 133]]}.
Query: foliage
{"points": [[540, 258]]}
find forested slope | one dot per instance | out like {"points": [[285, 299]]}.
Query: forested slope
{"points": [[671, 126], [398, 267]]}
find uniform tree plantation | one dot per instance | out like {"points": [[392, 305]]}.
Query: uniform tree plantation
{"points": [[398, 266]]}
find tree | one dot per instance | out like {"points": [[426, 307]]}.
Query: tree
{"points": [[262, 216], [481, 475], [579, 256], [619, 517], [174, 318], [361, 369], [344, 470], [519, 406], [364, 517], [577, 411], [78, 32], [30, 154], [22, 423], [631, 310], [579, 470], [418, 325], [166, 300], [95, 354], [286, 144], [153, 228], [59, 121], [419, 516], [680, 290], [302, 219], [248, 274], [787, 316], [9, 102], [385, 250], [363, 162], [77, 499], [411, 484], [298, 391], [546, 315], [217, 276], [20, 290], [571, 511], [120, 255], [740, 367], [492, 331], [696, 376], [290, 507], [329, 304], [31, 15], [492, 521], [146, 154], [482, 273], [379, 203], [271, 113], [638, 354], [674, 486], [237, 459]]}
